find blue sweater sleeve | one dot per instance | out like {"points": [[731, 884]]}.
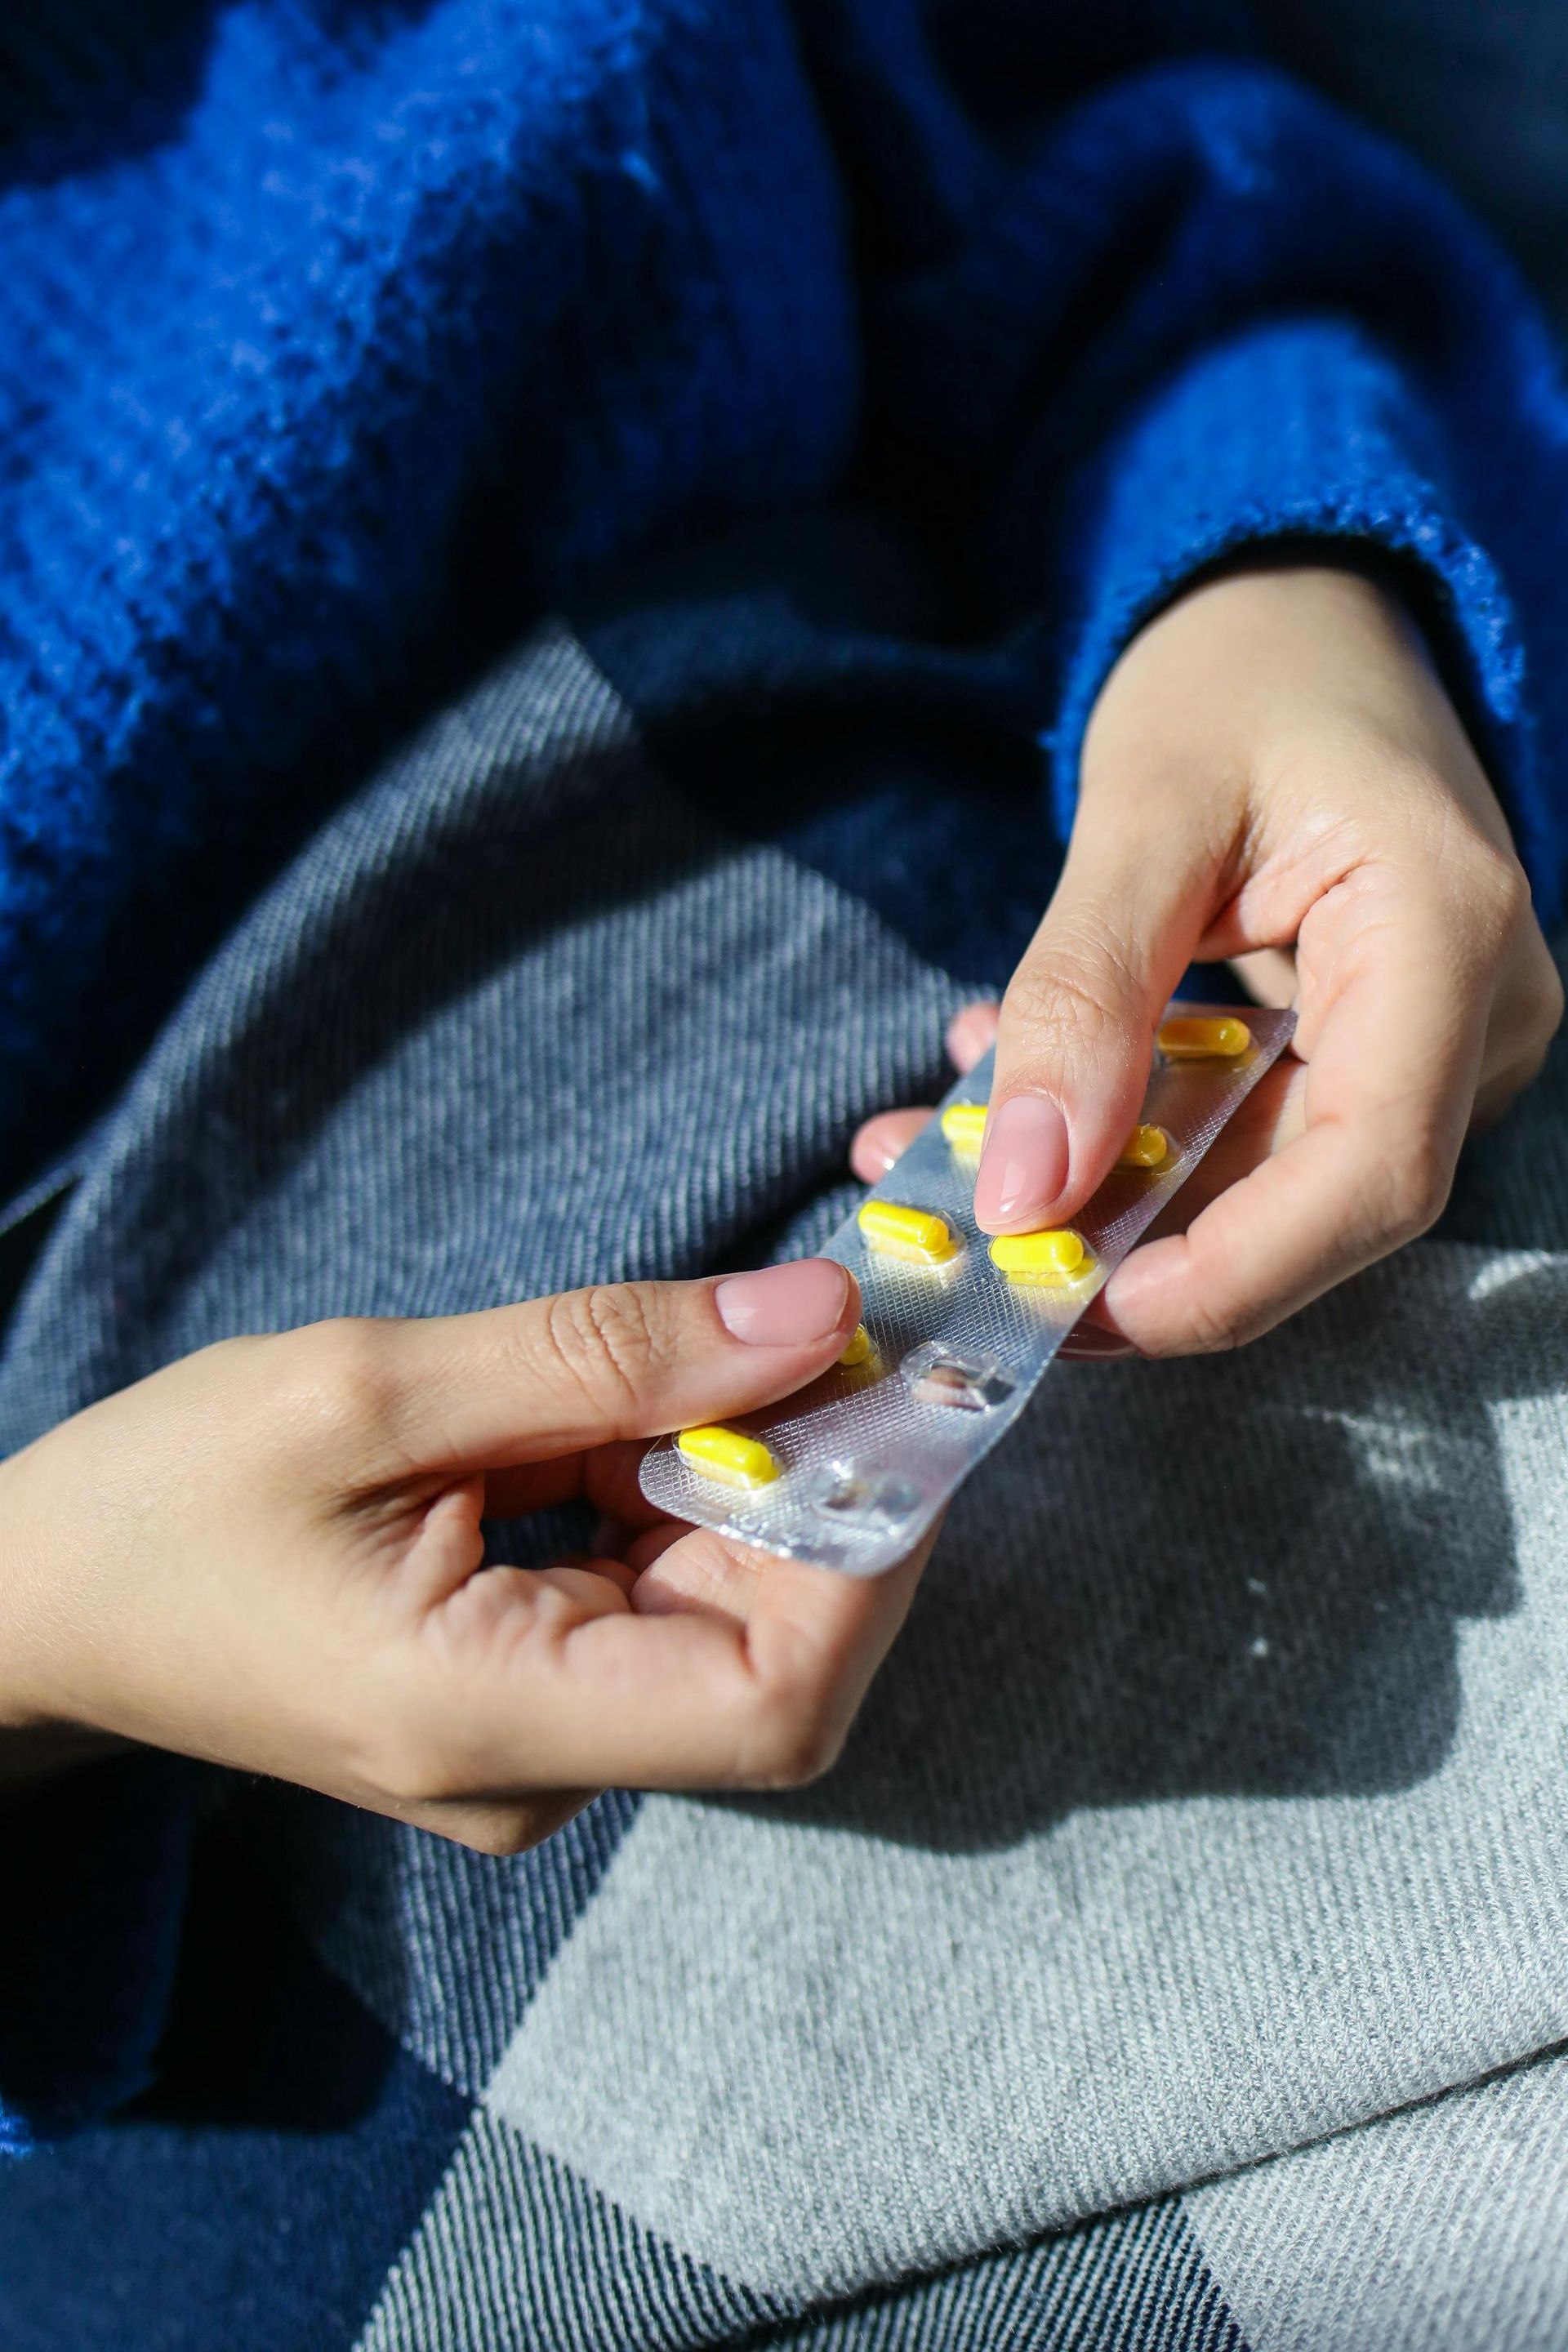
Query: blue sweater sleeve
{"points": [[1196, 311], [1347, 464]]}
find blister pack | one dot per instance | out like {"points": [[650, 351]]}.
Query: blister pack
{"points": [[957, 1327]]}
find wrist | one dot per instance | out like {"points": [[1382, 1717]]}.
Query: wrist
{"points": [[38, 1736], [1253, 658]]}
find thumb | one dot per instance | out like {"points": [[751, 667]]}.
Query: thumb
{"points": [[1078, 1022], [554, 1375]]}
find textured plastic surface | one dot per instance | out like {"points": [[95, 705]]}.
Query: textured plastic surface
{"points": [[871, 1452]]}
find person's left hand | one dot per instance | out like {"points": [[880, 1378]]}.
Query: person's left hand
{"points": [[1273, 774], [272, 1555]]}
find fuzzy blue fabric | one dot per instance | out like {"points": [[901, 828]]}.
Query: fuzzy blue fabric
{"points": [[331, 333]]}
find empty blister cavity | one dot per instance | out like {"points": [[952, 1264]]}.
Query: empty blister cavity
{"points": [[939, 1376], [849, 1494], [852, 1468]]}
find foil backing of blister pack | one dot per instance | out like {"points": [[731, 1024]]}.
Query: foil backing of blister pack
{"points": [[868, 1454]]}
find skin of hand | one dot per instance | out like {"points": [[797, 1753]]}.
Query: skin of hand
{"points": [[268, 1555], [1273, 774]]}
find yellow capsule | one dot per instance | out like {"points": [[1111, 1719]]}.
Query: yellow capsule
{"points": [[919, 1236], [859, 1348], [1146, 1146], [963, 1125], [1055, 1254], [728, 1455], [1189, 1037]]}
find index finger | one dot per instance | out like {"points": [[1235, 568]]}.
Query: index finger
{"points": [[554, 1376], [1393, 1048], [732, 1669]]}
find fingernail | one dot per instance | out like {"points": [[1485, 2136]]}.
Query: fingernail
{"points": [[784, 1306], [971, 1033], [1023, 1165], [1090, 1345], [884, 1141], [870, 1156]]}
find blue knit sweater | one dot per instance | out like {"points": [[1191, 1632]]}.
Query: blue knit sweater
{"points": [[325, 329]]}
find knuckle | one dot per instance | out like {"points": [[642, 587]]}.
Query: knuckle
{"points": [[1212, 1328], [338, 1379], [604, 1340], [1496, 889], [1415, 1183], [404, 1744], [497, 1831], [1411, 776], [1507, 886], [1071, 988], [800, 1738], [1543, 1000], [414, 1768]]}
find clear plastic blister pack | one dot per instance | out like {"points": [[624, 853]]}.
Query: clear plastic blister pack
{"points": [[956, 1328]]}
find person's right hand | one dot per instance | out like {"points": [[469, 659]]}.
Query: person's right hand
{"points": [[1274, 775], [268, 1555]]}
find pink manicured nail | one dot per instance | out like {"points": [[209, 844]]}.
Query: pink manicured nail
{"points": [[871, 1156], [970, 1034], [784, 1306], [1023, 1165], [884, 1140]]}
